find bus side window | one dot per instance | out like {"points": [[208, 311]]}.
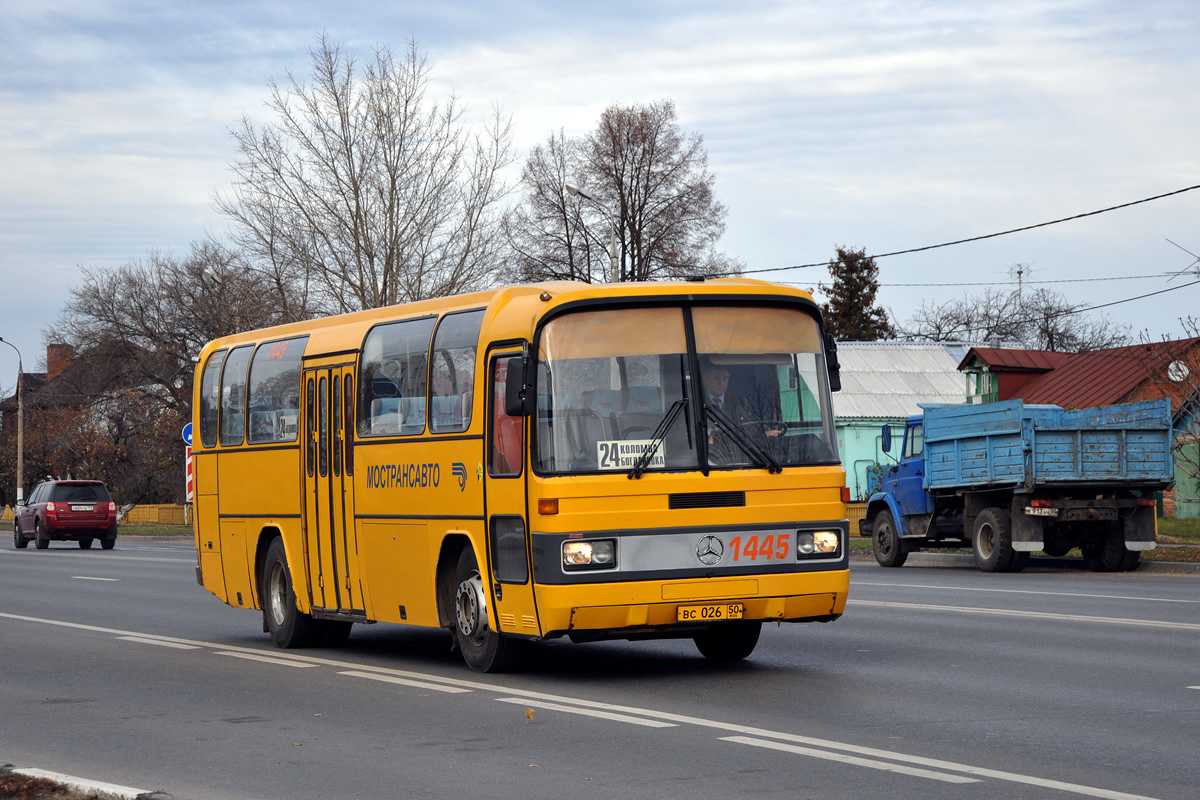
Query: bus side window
{"points": [[394, 378], [210, 398], [233, 396], [453, 371], [504, 448]]}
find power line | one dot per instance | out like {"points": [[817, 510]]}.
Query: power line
{"points": [[990, 235], [1030, 283]]}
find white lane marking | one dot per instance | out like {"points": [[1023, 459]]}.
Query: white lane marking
{"points": [[1003, 612], [1194, 687], [283, 662], [660, 715], [855, 760], [403, 681], [84, 785], [525, 701], [1019, 591], [108, 556], [1013, 777], [159, 642], [89, 578]]}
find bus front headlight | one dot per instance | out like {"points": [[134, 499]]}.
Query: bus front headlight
{"points": [[594, 554], [817, 544]]}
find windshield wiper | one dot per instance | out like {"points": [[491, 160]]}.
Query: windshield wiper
{"points": [[741, 439], [656, 438]]}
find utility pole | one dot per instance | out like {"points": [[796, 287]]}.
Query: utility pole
{"points": [[20, 422]]}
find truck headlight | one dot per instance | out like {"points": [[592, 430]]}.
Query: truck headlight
{"points": [[594, 554], [817, 544]]}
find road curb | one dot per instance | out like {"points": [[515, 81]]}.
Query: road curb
{"points": [[87, 786], [966, 560]]}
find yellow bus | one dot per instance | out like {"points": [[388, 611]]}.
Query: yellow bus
{"points": [[632, 461]]}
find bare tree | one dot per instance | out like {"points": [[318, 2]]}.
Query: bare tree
{"points": [[649, 180], [1041, 320], [548, 233], [116, 411], [363, 185]]}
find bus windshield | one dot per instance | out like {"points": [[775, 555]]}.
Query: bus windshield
{"points": [[607, 379]]}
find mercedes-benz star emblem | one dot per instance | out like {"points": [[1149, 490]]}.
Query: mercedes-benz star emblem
{"points": [[709, 550]]}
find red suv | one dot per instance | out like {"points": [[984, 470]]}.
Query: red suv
{"points": [[67, 510]]}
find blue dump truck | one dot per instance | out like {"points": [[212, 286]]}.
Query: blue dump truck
{"points": [[1008, 479]]}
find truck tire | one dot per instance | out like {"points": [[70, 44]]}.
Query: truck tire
{"points": [[991, 541], [1105, 550], [886, 542]]}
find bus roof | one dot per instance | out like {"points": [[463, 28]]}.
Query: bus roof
{"points": [[515, 310]]}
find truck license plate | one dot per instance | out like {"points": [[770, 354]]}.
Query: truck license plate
{"points": [[711, 613], [1035, 511]]}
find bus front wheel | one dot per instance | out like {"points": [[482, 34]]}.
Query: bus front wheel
{"points": [[289, 626], [482, 647], [731, 641]]}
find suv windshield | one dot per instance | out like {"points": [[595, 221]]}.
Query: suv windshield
{"points": [[607, 379], [80, 493]]}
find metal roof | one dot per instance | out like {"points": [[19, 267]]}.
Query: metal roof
{"points": [[889, 379]]}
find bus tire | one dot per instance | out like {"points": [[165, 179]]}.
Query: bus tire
{"points": [[481, 646], [731, 641], [886, 542], [991, 541], [288, 625]]}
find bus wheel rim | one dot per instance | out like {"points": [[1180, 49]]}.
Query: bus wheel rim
{"points": [[471, 608]]}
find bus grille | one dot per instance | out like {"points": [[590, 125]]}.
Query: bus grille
{"points": [[707, 500]]}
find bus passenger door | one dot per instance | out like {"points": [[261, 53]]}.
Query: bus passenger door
{"points": [[508, 536], [330, 544]]}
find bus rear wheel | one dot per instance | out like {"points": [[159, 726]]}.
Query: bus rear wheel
{"points": [[482, 647], [288, 625], [731, 641]]}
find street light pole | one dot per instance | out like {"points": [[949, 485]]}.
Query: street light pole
{"points": [[20, 422], [614, 269]]}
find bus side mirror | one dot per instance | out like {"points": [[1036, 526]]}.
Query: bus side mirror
{"points": [[516, 403], [831, 361], [887, 439]]}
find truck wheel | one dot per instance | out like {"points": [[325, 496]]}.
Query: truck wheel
{"points": [[886, 542], [1130, 561], [1105, 551], [991, 541], [288, 625], [731, 641]]}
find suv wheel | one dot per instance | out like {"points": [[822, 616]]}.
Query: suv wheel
{"points": [[20, 541], [42, 538]]}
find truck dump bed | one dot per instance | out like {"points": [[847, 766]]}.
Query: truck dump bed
{"points": [[1013, 445]]}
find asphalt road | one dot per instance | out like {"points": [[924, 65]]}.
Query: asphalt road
{"points": [[938, 682]]}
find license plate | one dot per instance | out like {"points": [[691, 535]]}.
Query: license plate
{"points": [[81, 508], [1035, 511], [710, 613]]}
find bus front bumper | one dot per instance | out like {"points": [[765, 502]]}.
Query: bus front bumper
{"points": [[652, 608]]}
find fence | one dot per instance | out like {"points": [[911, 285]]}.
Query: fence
{"points": [[164, 514]]}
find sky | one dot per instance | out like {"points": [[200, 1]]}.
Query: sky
{"points": [[878, 125]]}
